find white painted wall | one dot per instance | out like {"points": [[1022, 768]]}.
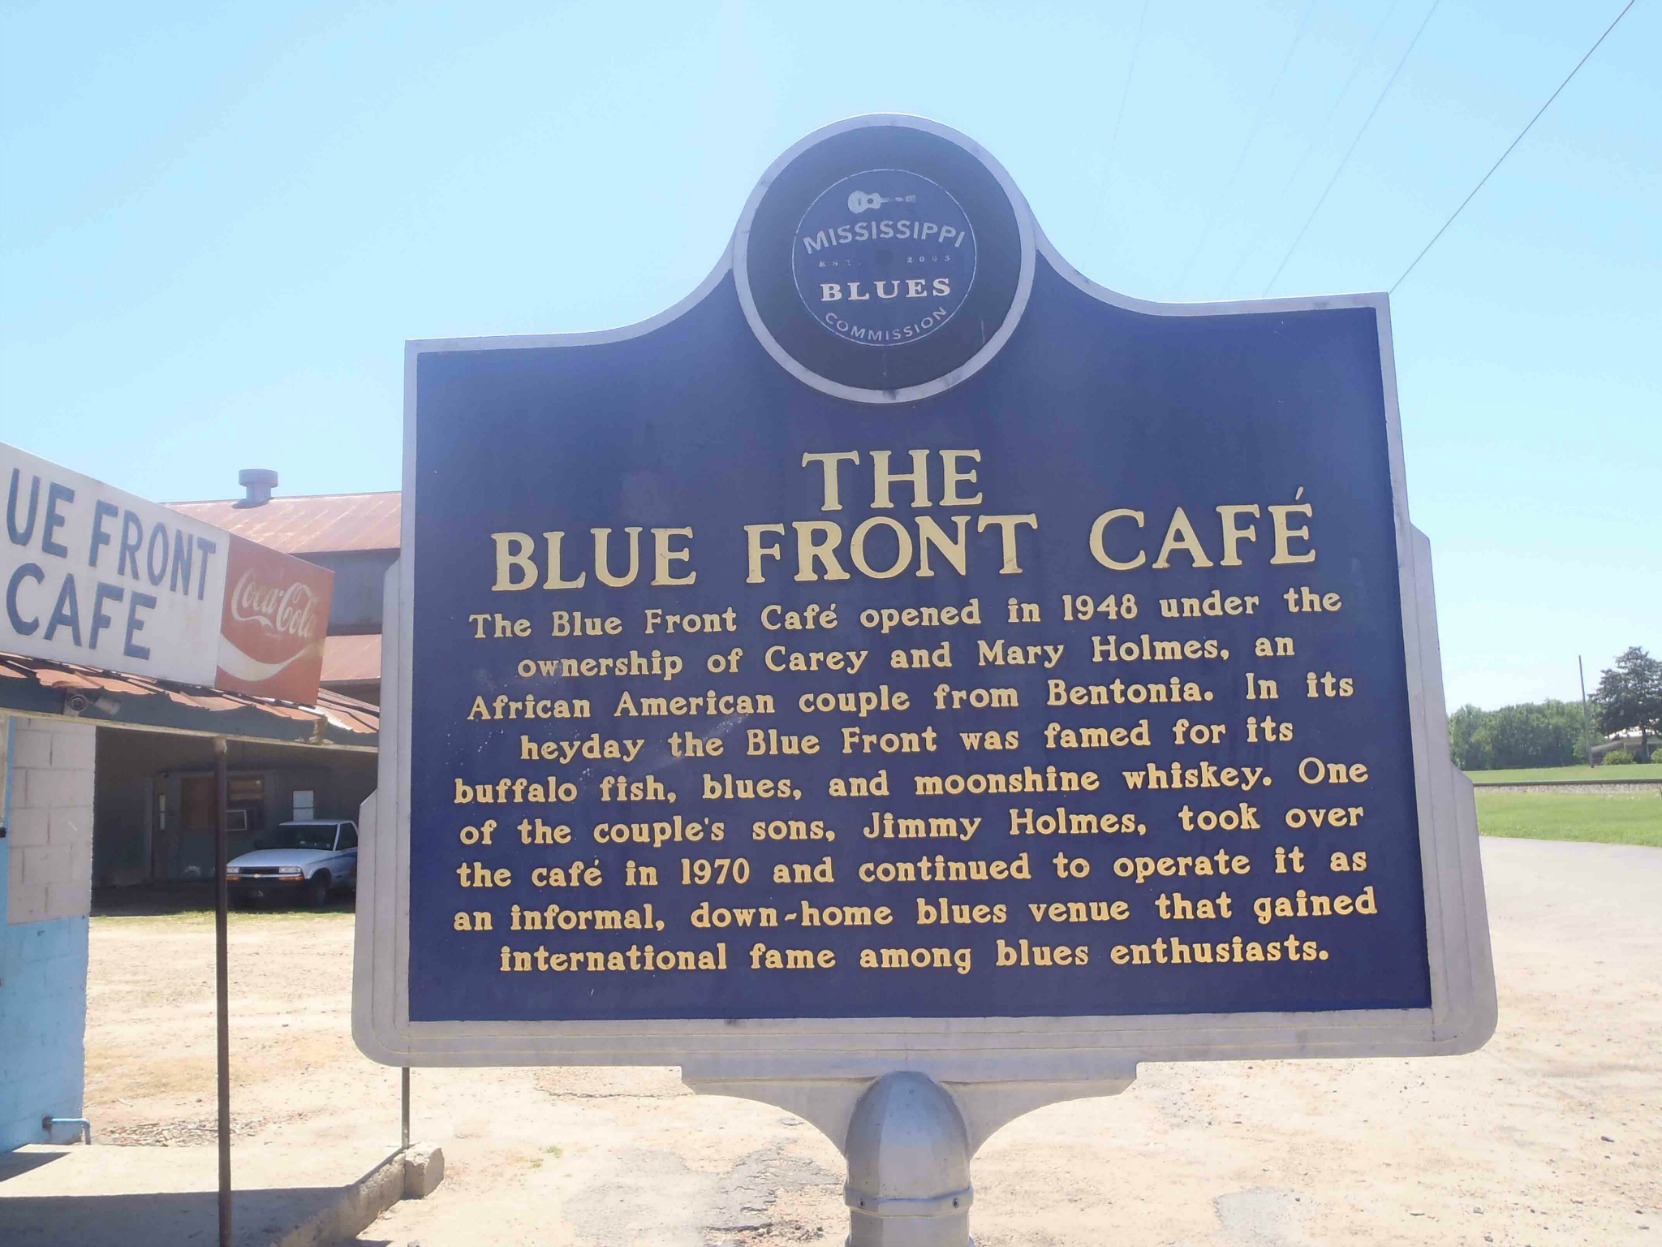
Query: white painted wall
{"points": [[45, 895]]}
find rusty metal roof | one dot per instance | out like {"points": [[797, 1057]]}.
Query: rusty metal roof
{"points": [[351, 659], [36, 686], [308, 524]]}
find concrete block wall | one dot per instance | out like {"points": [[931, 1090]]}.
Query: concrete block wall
{"points": [[45, 896], [50, 825]]}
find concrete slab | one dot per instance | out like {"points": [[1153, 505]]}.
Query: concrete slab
{"points": [[103, 1196]]}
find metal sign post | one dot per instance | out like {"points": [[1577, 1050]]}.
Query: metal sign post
{"points": [[222, 982], [910, 684]]}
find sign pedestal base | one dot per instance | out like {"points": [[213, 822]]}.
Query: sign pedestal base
{"points": [[908, 1141]]}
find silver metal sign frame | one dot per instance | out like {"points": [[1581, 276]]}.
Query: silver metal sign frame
{"points": [[1097, 1052]]}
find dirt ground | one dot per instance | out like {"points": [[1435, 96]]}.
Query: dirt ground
{"points": [[1552, 1135]]}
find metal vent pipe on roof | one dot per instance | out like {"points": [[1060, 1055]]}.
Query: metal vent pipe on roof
{"points": [[258, 484]]}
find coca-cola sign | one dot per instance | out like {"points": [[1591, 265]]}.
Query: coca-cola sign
{"points": [[276, 615], [284, 610]]}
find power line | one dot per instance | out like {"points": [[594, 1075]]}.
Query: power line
{"points": [[1310, 147], [1345, 159], [1257, 124], [1428, 246], [1125, 93]]}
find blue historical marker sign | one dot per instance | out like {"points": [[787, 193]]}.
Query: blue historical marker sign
{"points": [[905, 629]]}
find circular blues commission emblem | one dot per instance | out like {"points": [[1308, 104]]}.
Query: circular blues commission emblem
{"points": [[883, 258]]}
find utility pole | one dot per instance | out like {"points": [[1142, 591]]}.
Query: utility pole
{"points": [[1586, 726]]}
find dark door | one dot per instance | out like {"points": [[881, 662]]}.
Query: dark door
{"points": [[198, 816]]}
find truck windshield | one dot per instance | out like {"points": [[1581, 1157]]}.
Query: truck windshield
{"points": [[298, 836]]}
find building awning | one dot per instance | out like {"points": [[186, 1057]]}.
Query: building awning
{"points": [[35, 686], [351, 659]]}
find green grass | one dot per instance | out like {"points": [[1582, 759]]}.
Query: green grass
{"points": [[1568, 774], [1631, 818]]}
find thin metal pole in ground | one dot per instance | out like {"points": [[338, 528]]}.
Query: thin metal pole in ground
{"points": [[404, 1107], [222, 983]]}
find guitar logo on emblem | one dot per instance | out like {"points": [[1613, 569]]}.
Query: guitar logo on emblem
{"points": [[864, 201]]}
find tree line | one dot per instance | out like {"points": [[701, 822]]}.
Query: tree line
{"points": [[1555, 733]]}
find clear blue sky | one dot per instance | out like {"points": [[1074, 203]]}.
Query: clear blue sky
{"points": [[219, 223]]}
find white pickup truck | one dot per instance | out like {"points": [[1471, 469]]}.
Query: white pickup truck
{"points": [[307, 859]]}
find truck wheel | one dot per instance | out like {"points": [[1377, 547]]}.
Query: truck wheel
{"points": [[317, 892]]}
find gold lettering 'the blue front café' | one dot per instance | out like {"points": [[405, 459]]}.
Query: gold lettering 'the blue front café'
{"points": [[882, 547]]}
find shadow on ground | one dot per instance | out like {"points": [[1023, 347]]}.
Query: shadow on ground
{"points": [[194, 897], [14, 1163], [165, 1219], [175, 1218]]}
